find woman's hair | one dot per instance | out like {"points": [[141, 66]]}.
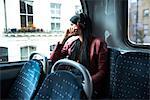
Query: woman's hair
{"points": [[75, 19], [86, 27], [87, 30]]}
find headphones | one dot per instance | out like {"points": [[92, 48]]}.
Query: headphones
{"points": [[82, 20]]}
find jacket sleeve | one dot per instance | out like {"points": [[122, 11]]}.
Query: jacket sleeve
{"points": [[102, 51], [59, 52]]}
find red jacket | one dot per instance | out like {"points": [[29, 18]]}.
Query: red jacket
{"points": [[98, 55]]}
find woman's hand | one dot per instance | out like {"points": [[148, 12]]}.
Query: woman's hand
{"points": [[72, 31]]}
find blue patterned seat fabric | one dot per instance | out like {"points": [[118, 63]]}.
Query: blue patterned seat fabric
{"points": [[60, 85], [27, 81], [112, 56], [132, 76]]}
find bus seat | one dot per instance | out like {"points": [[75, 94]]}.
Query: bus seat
{"points": [[27, 81], [81, 73], [132, 76], [112, 56], [60, 85]]}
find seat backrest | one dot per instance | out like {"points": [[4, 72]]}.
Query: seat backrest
{"points": [[112, 58], [132, 76], [27, 81], [60, 85]]}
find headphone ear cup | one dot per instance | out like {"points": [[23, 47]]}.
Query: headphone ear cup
{"points": [[83, 18]]}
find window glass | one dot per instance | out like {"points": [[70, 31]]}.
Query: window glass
{"points": [[34, 25], [52, 26], [55, 9], [139, 22], [52, 12], [23, 21], [22, 7], [57, 26], [58, 6], [30, 21], [3, 54], [146, 12], [26, 51], [27, 13], [52, 5], [30, 11], [58, 12], [146, 28]]}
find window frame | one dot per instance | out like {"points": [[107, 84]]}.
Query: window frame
{"points": [[29, 51], [54, 10], [145, 14], [3, 57], [26, 14], [146, 28], [127, 39], [55, 26]]}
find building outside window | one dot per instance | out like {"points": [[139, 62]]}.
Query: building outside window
{"points": [[55, 9], [138, 33], [3, 54], [55, 16], [52, 26], [146, 12], [55, 26], [26, 13], [49, 20], [26, 51], [146, 29]]}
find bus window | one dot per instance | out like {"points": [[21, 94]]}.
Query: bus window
{"points": [[139, 22], [33, 26]]}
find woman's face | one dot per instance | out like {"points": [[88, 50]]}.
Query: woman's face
{"points": [[74, 29]]}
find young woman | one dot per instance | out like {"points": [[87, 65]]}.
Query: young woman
{"points": [[80, 46]]}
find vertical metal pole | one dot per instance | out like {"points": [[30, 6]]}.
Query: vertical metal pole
{"points": [[5, 14], [26, 8], [137, 21]]}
